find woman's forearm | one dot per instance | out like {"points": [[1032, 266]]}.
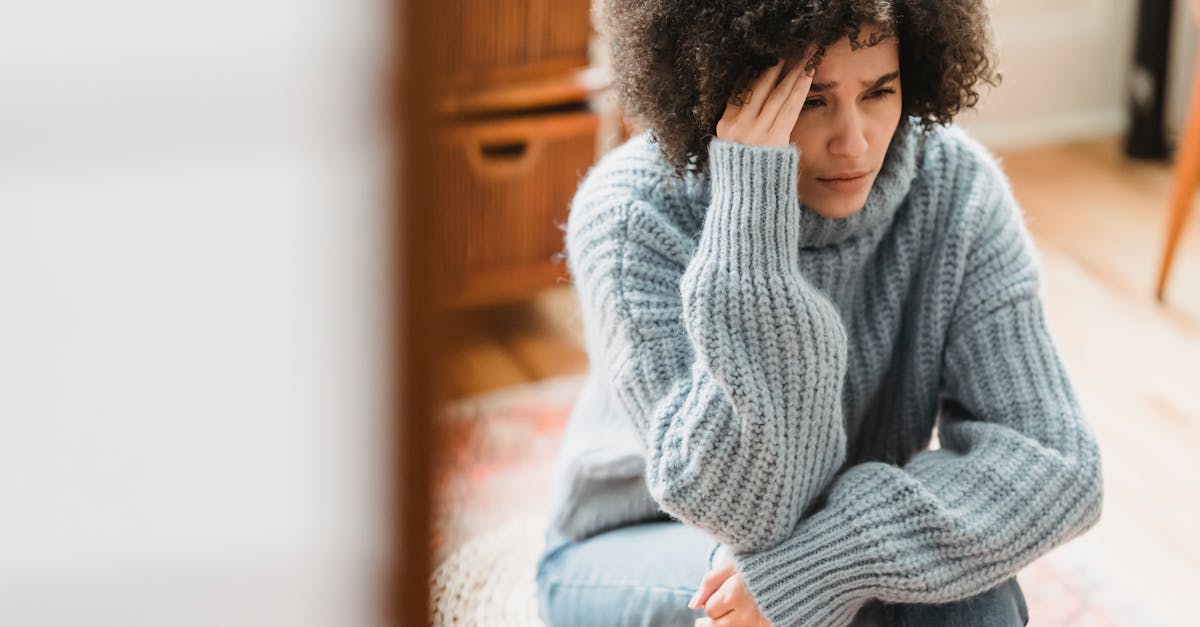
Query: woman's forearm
{"points": [[737, 392]]}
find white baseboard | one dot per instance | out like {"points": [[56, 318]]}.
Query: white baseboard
{"points": [[1050, 129]]}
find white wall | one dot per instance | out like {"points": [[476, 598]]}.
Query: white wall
{"points": [[1181, 66], [1067, 65], [192, 255]]}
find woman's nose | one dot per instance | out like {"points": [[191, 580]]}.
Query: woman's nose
{"points": [[849, 138]]}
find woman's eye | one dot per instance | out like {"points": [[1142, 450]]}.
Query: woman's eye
{"points": [[875, 95]]}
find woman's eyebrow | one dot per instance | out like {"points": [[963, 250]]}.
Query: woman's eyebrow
{"points": [[818, 87]]}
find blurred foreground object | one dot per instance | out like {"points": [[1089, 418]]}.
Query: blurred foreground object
{"points": [[1187, 169]]}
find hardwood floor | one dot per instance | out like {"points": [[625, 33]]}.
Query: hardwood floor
{"points": [[1099, 223]]}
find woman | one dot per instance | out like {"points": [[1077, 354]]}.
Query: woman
{"points": [[785, 283]]}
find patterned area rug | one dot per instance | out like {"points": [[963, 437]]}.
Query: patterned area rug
{"points": [[498, 451], [492, 488]]}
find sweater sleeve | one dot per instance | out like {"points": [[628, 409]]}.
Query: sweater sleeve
{"points": [[728, 363], [1018, 472]]}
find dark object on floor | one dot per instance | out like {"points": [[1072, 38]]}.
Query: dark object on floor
{"points": [[1147, 81]]}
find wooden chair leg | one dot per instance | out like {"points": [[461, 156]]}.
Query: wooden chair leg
{"points": [[1187, 170]]}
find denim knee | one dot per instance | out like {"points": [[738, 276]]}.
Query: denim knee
{"points": [[1002, 606], [578, 590]]}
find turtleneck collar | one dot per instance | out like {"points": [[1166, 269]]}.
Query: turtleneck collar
{"points": [[888, 192]]}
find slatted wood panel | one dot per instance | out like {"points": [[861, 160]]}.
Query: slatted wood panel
{"points": [[497, 41]]}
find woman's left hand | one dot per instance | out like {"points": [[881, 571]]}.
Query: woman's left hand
{"points": [[725, 598]]}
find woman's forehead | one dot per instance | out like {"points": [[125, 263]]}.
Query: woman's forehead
{"points": [[841, 58]]}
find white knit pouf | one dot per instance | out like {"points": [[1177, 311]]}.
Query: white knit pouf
{"points": [[491, 579]]}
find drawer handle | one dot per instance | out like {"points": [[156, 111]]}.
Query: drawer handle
{"points": [[503, 158], [502, 151]]}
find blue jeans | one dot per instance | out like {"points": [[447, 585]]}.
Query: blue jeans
{"points": [[645, 574]]}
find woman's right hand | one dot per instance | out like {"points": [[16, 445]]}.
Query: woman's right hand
{"points": [[770, 109]]}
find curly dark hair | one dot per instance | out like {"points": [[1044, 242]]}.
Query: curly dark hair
{"points": [[676, 63]]}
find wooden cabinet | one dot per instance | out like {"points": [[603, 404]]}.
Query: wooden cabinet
{"points": [[517, 132]]}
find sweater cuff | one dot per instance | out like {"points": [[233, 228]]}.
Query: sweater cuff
{"points": [[821, 575], [756, 206], [835, 560]]}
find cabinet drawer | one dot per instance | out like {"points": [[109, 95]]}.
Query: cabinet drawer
{"points": [[506, 192]]}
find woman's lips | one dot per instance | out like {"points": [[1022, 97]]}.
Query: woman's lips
{"points": [[846, 184]]}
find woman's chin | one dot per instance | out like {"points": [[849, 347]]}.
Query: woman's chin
{"points": [[834, 208]]}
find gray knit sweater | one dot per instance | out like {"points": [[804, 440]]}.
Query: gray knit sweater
{"points": [[774, 377]]}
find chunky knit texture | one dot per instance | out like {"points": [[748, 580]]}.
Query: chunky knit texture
{"points": [[782, 373]]}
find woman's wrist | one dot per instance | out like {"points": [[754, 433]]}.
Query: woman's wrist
{"points": [[755, 205]]}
